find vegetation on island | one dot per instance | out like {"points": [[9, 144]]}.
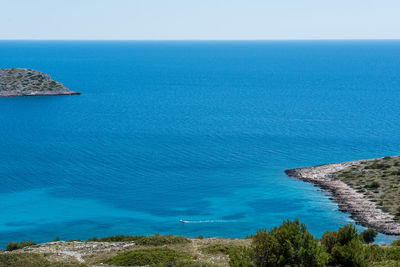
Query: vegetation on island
{"points": [[378, 179], [28, 82], [289, 244]]}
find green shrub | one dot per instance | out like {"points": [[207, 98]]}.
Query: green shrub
{"points": [[11, 246], [329, 240], [142, 257], [375, 253], [348, 249], [373, 185], [289, 244], [368, 236], [396, 243], [346, 234], [155, 240], [14, 245], [350, 254], [240, 257]]}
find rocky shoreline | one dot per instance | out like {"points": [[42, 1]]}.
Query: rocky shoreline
{"points": [[38, 94], [27, 82], [362, 210]]}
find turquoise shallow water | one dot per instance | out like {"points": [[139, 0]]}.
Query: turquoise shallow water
{"points": [[200, 131]]}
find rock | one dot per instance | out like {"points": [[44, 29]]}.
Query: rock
{"points": [[27, 82], [362, 210]]}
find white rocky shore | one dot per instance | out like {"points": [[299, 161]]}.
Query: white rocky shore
{"points": [[362, 210], [27, 82]]}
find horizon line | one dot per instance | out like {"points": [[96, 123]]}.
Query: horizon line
{"points": [[211, 40]]}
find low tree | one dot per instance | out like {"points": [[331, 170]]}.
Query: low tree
{"points": [[346, 234], [290, 244], [348, 250], [351, 254], [329, 240], [368, 236]]}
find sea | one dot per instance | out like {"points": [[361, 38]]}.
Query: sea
{"points": [[200, 131]]}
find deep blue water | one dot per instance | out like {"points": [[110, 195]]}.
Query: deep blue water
{"points": [[200, 131]]}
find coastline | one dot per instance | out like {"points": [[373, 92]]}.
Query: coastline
{"points": [[29, 82], [362, 210], [41, 94]]}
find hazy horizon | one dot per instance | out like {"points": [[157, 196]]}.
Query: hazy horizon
{"points": [[208, 20]]}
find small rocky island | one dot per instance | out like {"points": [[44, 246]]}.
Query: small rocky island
{"points": [[27, 82], [367, 189]]}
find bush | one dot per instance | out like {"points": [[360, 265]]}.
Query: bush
{"points": [[329, 240], [143, 257], [240, 257], [289, 244], [368, 236], [373, 185], [396, 243], [346, 234], [155, 240], [14, 245], [348, 249], [350, 254]]}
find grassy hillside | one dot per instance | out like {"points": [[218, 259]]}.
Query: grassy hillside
{"points": [[287, 245]]}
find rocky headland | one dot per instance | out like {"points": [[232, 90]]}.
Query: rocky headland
{"points": [[367, 189], [27, 82]]}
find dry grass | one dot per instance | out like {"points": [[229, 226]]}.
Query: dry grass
{"points": [[201, 252]]}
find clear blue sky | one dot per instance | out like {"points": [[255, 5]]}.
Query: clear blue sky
{"points": [[199, 19]]}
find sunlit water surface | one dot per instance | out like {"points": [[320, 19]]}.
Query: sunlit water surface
{"points": [[200, 131]]}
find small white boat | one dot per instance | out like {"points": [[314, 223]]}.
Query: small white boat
{"points": [[182, 221]]}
